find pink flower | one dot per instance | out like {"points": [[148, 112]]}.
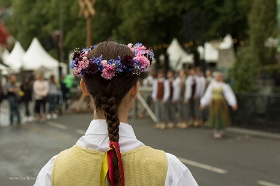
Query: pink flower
{"points": [[84, 63], [130, 45], [84, 54], [108, 72], [143, 61], [76, 72], [104, 63]]}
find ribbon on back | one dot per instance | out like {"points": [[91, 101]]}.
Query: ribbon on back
{"points": [[108, 166]]}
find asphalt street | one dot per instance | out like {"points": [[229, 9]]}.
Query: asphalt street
{"points": [[236, 160]]}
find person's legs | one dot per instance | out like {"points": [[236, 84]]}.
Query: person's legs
{"points": [[162, 114], [52, 103], [37, 110], [157, 113], [16, 110], [171, 113], [43, 105], [197, 112], [11, 107]]}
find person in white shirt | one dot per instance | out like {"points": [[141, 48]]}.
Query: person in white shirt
{"points": [[110, 138], [40, 89], [171, 106], [179, 87], [160, 95], [217, 95], [195, 86]]}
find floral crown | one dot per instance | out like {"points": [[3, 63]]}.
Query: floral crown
{"points": [[126, 65]]}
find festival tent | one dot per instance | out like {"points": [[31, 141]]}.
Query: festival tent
{"points": [[14, 59], [209, 53], [36, 57], [227, 42], [5, 54], [177, 55]]}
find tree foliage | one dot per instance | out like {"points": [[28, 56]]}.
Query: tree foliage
{"points": [[252, 58], [151, 22]]}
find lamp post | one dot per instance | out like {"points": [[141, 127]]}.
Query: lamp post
{"points": [[86, 10]]}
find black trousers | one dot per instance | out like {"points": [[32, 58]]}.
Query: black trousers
{"points": [[38, 105]]}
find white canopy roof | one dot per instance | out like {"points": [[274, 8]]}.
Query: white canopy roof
{"points": [[177, 55], [226, 43], [14, 59], [36, 57], [209, 53], [5, 54]]}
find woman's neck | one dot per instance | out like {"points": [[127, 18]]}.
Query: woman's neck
{"points": [[99, 114]]}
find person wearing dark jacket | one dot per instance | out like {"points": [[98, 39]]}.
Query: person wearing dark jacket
{"points": [[26, 88]]}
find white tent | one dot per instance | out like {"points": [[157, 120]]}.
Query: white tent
{"points": [[5, 54], [209, 53], [36, 57], [227, 42], [177, 55], [14, 59]]}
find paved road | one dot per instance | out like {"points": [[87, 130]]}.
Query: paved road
{"points": [[236, 160]]}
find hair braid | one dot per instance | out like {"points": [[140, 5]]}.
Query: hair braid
{"points": [[110, 107]]}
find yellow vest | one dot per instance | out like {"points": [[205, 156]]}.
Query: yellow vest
{"points": [[78, 166]]}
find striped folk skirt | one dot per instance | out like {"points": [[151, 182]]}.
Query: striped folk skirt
{"points": [[218, 114]]}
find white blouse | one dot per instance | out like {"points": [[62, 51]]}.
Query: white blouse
{"points": [[96, 138], [227, 91]]}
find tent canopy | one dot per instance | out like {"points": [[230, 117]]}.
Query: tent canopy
{"points": [[5, 54], [227, 42], [14, 59], [209, 53], [36, 57], [177, 55]]}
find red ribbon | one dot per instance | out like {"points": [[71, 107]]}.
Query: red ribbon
{"points": [[115, 147]]}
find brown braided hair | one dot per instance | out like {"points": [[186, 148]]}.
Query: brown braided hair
{"points": [[108, 94]]}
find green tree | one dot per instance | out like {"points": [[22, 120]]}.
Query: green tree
{"points": [[252, 58]]}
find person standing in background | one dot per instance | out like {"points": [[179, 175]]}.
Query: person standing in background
{"points": [[201, 86], [26, 87], [65, 92], [160, 94], [179, 93], [13, 89], [170, 105], [41, 89], [53, 97], [217, 95], [190, 97]]}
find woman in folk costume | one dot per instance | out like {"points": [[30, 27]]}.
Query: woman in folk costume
{"points": [[217, 95], [160, 95], [109, 153]]}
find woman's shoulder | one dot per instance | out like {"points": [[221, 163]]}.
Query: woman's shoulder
{"points": [[178, 173]]}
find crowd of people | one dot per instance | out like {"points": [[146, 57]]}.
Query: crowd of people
{"points": [[191, 99], [49, 96]]}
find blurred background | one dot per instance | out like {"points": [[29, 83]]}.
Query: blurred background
{"points": [[239, 38]]}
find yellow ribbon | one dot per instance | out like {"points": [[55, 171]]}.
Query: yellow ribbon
{"points": [[104, 169]]}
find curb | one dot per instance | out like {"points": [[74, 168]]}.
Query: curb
{"points": [[255, 133]]}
